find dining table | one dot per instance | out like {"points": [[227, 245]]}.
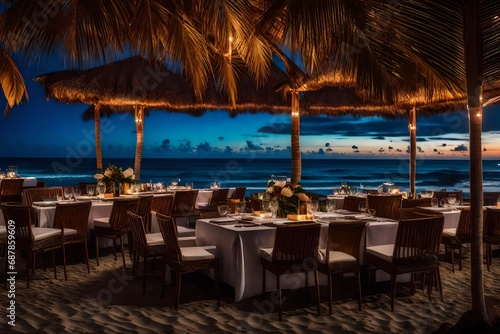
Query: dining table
{"points": [[28, 181], [238, 247]]}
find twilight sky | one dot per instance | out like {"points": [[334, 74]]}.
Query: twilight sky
{"points": [[41, 128]]}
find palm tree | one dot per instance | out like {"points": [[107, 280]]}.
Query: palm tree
{"points": [[12, 81]]}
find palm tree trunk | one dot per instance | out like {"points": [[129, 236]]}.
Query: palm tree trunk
{"points": [[97, 126], [139, 121], [412, 127], [473, 65], [296, 158]]}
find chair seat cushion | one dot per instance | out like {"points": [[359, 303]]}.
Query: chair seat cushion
{"points": [[70, 231], [335, 257], [382, 251], [154, 239], [187, 241], [40, 233], [266, 254], [450, 232], [196, 254], [102, 222], [185, 232]]}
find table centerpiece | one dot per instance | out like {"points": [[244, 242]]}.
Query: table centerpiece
{"points": [[292, 200], [115, 178]]}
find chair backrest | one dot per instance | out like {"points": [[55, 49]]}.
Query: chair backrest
{"points": [[144, 209], [351, 203], [168, 230], [162, 204], [10, 190], [23, 218], [138, 230], [239, 193], [490, 197], [83, 186], [417, 212], [73, 215], [444, 194], [296, 242], [385, 205], [414, 202], [492, 223], [184, 201], [464, 227], [38, 194], [118, 217], [255, 202], [345, 237], [219, 196], [41, 184], [209, 214], [418, 238]]}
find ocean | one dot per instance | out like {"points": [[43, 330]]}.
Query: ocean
{"points": [[318, 175]]}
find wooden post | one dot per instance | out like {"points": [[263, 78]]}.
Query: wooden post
{"points": [[97, 126], [296, 157], [412, 127]]}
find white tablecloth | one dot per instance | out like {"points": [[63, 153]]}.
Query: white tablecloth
{"points": [[28, 181], [45, 215]]}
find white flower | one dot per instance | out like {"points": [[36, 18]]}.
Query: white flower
{"points": [[287, 192], [280, 184], [98, 176], [129, 172], [108, 173]]}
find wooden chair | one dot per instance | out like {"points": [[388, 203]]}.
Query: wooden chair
{"points": [[386, 206], [116, 225], [72, 219], [444, 194], [184, 206], [10, 190], [491, 234], [416, 202], [239, 193], [453, 238], [162, 204], [219, 196], [29, 239], [295, 250], [255, 203], [415, 250], [184, 260], [351, 203], [145, 244], [342, 254], [39, 194], [41, 184], [490, 198], [144, 210]]}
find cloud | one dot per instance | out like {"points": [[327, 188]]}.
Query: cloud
{"points": [[184, 146], [228, 150], [252, 147], [220, 138], [443, 145], [390, 148], [321, 152], [420, 149], [460, 148], [204, 147], [381, 150], [399, 150], [357, 151], [354, 147], [379, 138], [327, 144], [165, 144], [484, 149], [436, 150], [329, 150]]}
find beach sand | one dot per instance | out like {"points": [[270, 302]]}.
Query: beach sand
{"points": [[110, 300]]}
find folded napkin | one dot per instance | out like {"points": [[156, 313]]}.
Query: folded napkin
{"points": [[45, 203], [222, 220]]}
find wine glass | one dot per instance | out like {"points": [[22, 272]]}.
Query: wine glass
{"points": [[189, 185], [90, 189], [241, 206], [362, 206], [330, 205], [443, 202], [68, 193], [223, 209], [77, 193], [265, 205], [371, 212], [314, 205], [101, 190], [452, 198], [273, 206], [434, 202]]}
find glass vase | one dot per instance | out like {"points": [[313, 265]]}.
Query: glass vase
{"points": [[116, 189]]}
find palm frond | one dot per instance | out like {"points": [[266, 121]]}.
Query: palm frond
{"points": [[11, 81]]}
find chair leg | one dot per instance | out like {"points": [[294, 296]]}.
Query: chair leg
{"points": [[306, 285], [358, 277], [114, 248], [135, 263], [97, 250], [163, 279], [64, 262], [29, 258], [178, 290], [318, 297], [488, 256], [144, 260], [440, 286], [217, 292], [263, 282], [54, 263], [278, 286], [460, 259], [393, 291], [330, 288], [452, 259], [123, 251], [87, 256]]}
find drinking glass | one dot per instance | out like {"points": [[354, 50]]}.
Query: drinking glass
{"points": [[330, 205], [362, 206], [77, 193], [91, 189], [136, 187], [241, 206], [314, 205], [273, 205], [101, 190], [265, 205], [222, 209], [452, 198], [443, 202], [371, 212], [335, 192], [434, 202], [189, 185], [68, 193], [174, 183]]}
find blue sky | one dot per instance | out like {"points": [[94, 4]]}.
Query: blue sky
{"points": [[41, 128]]}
